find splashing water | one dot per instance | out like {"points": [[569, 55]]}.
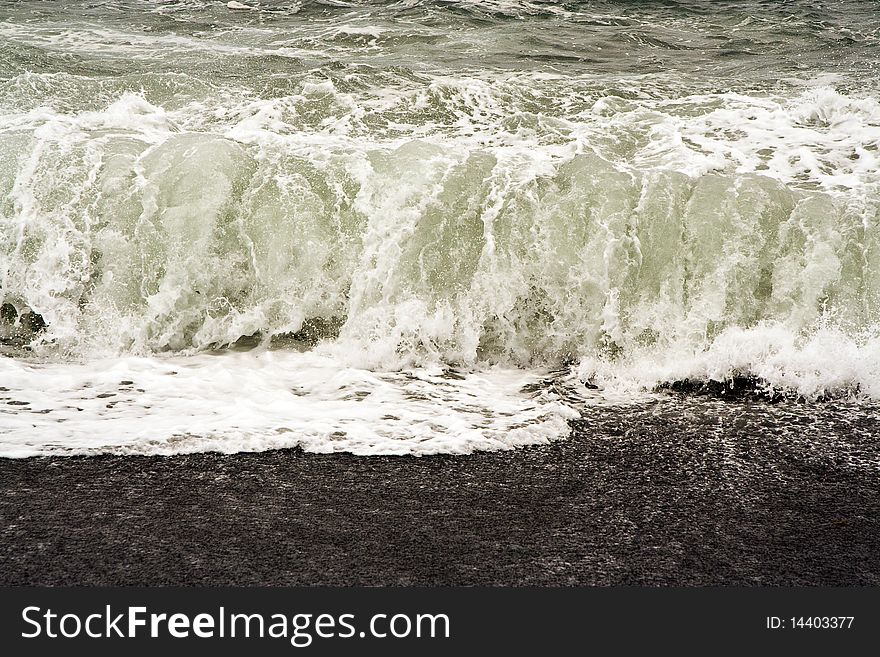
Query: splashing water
{"points": [[411, 237]]}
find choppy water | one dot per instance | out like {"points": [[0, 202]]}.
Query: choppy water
{"points": [[425, 226]]}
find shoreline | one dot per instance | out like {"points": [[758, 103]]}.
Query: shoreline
{"points": [[685, 491]]}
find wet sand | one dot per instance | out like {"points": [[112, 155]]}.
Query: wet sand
{"points": [[688, 490]]}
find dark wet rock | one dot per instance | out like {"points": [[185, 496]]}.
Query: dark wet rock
{"points": [[32, 322], [8, 313], [733, 389], [313, 331], [19, 325]]}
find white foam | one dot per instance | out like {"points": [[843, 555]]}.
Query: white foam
{"points": [[826, 361], [258, 400]]}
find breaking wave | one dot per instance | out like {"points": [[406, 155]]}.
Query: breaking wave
{"points": [[211, 182], [628, 235]]}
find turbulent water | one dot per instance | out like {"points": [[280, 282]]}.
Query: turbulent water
{"points": [[416, 227]]}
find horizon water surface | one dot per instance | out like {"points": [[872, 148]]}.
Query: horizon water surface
{"points": [[427, 227]]}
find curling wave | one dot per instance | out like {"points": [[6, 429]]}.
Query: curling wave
{"points": [[634, 233]]}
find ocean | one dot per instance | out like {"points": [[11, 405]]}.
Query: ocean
{"points": [[431, 227]]}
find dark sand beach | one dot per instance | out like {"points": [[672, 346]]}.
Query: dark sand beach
{"points": [[688, 490]]}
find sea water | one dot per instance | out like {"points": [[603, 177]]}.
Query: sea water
{"points": [[419, 227]]}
